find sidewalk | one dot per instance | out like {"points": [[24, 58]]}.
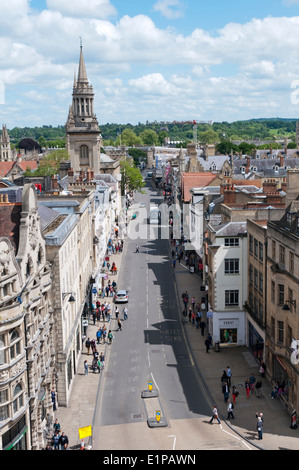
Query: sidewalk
{"points": [[277, 420], [80, 410]]}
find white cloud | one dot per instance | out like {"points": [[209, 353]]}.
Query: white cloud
{"points": [[83, 9], [171, 9], [137, 67]]}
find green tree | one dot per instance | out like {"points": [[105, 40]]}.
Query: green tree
{"points": [[131, 177], [149, 137], [129, 138]]}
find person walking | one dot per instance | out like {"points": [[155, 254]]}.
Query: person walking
{"points": [[225, 391], [202, 326], [110, 337], [235, 393], [247, 387], [55, 440], [207, 344], [125, 313], [87, 345], [116, 312], [251, 383], [119, 325], [258, 387], [137, 249], [230, 407], [63, 440], [259, 427], [56, 426], [214, 415], [85, 368], [229, 376]]}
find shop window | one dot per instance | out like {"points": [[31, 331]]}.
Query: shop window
{"points": [[228, 335]]}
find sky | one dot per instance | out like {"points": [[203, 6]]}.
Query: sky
{"points": [[150, 60]]}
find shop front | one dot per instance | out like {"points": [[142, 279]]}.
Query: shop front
{"points": [[228, 328]]}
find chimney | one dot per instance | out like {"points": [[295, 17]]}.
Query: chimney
{"points": [[281, 161], [54, 182], [70, 174], [247, 164], [229, 195], [269, 186]]}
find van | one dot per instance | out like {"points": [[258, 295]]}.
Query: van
{"points": [[154, 216]]}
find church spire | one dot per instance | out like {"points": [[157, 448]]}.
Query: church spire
{"points": [[82, 75]]}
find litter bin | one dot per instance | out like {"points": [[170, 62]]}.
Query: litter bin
{"points": [[217, 346], [294, 420]]}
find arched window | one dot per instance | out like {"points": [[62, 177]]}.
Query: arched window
{"points": [[84, 153], [15, 344]]}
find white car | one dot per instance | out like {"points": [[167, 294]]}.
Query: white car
{"points": [[142, 204], [121, 296]]}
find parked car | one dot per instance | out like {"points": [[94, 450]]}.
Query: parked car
{"points": [[121, 296]]}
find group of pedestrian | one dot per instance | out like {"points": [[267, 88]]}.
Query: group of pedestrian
{"points": [[59, 439], [116, 247], [193, 312]]}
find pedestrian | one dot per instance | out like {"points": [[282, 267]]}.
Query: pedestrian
{"points": [[98, 335], [258, 387], [116, 312], [125, 313], [193, 303], [173, 262], [225, 391], [63, 440], [85, 367], [110, 337], [247, 387], [224, 378], [262, 369], [259, 427], [53, 398], [137, 249], [55, 440], [230, 407], [102, 359], [56, 426], [207, 344], [229, 375], [202, 326], [235, 393], [119, 325], [252, 382], [87, 345], [214, 415], [99, 365]]}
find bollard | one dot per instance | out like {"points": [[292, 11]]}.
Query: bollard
{"points": [[294, 420]]}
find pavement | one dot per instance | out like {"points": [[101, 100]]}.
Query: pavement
{"points": [[277, 420]]}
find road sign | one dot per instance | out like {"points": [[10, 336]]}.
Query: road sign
{"points": [[158, 415], [150, 385], [85, 432]]}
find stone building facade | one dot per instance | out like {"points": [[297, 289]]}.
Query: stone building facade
{"points": [[27, 359]]}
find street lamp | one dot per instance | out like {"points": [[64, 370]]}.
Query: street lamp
{"points": [[292, 304], [71, 298]]}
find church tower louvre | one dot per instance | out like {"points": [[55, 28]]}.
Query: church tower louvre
{"points": [[83, 137]]}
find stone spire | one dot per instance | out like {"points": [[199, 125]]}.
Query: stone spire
{"points": [[82, 75]]}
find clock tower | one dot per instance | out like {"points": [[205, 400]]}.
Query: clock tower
{"points": [[83, 137]]}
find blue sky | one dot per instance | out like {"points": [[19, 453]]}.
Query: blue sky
{"points": [[160, 60]]}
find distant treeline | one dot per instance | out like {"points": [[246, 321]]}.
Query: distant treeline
{"points": [[217, 132]]}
